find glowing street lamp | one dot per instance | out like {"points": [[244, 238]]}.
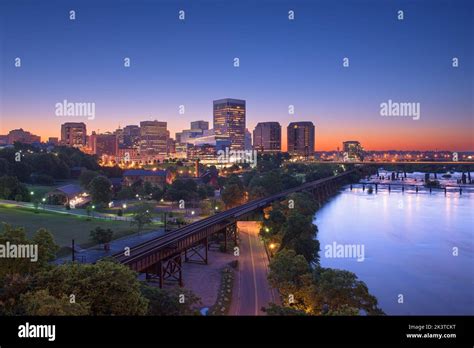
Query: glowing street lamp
{"points": [[124, 206], [192, 212], [272, 246], [32, 193], [267, 229]]}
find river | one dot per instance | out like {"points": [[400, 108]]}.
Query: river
{"points": [[416, 250]]}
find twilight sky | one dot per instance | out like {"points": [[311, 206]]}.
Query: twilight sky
{"points": [[282, 62]]}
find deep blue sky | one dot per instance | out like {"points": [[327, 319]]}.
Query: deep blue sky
{"points": [[282, 63]]}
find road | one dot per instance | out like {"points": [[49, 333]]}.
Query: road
{"points": [[251, 289]]}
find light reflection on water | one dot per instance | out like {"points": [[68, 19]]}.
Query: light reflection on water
{"points": [[408, 240]]}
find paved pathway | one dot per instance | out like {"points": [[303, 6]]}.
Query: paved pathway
{"points": [[251, 290]]}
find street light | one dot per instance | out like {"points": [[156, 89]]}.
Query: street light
{"points": [[267, 229], [192, 212], [32, 193], [124, 206], [272, 246]]}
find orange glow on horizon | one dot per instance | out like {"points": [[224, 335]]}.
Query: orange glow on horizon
{"points": [[329, 137]]}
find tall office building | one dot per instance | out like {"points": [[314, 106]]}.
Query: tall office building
{"points": [[104, 144], [267, 137], [74, 134], [202, 125], [153, 137], [131, 136], [301, 139], [229, 120]]}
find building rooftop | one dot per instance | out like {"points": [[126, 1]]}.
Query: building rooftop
{"points": [[70, 190]]}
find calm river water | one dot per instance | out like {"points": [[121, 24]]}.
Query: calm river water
{"points": [[408, 242]]}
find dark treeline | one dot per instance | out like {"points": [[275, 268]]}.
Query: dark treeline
{"points": [[305, 287], [31, 164], [105, 288]]}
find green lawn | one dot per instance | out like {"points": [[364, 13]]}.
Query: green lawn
{"points": [[40, 190], [64, 227]]}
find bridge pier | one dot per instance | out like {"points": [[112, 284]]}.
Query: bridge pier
{"points": [[197, 253], [327, 188], [169, 269], [230, 232]]}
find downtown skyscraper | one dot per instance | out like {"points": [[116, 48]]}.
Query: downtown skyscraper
{"points": [[267, 137], [300, 137], [153, 137], [229, 120], [74, 134]]}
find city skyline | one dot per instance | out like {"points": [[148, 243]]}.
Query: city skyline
{"points": [[14, 133], [254, 158], [80, 61]]}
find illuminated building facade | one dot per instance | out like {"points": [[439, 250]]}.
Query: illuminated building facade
{"points": [[267, 137], [154, 137], [353, 151], [300, 138], [229, 120], [74, 134]]}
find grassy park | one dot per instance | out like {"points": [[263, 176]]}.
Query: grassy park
{"points": [[64, 227]]}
